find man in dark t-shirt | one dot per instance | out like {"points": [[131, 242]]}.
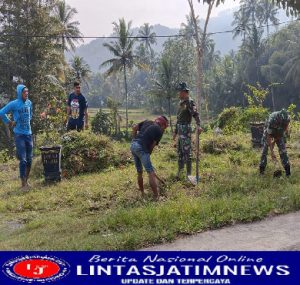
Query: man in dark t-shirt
{"points": [[77, 110], [146, 135]]}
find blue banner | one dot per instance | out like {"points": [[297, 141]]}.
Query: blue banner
{"points": [[141, 267]]}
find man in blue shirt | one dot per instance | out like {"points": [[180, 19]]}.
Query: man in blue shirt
{"points": [[77, 110], [21, 109]]}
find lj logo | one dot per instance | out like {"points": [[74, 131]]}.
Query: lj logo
{"points": [[36, 269]]}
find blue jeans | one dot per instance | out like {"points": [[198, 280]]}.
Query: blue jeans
{"points": [[141, 158], [75, 125], [24, 146]]}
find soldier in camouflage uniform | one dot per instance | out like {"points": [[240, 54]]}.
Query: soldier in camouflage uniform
{"points": [[275, 128], [186, 110]]}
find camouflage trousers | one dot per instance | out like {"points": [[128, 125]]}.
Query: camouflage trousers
{"points": [[184, 147], [282, 152]]}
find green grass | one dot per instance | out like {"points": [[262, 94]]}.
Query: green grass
{"points": [[105, 210]]}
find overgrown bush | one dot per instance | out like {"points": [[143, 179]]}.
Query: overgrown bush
{"points": [[236, 119], [102, 123], [221, 144], [252, 114], [84, 152], [229, 116]]}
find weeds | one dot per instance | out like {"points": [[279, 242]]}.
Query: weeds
{"points": [[105, 210]]}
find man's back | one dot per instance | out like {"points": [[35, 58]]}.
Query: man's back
{"points": [[277, 123], [148, 132]]}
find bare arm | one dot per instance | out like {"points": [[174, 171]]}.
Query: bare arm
{"points": [[135, 129], [68, 110]]}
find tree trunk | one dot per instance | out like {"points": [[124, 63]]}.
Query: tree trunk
{"points": [[126, 96], [170, 117], [199, 54], [63, 44], [206, 109], [270, 72], [200, 47], [257, 69]]}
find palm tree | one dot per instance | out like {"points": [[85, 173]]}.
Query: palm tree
{"points": [[188, 29], [80, 68], [69, 31], [165, 85], [293, 64], [211, 55], [123, 59], [240, 24], [253, 47], [147, 37], [267, 13], [250, 9]]}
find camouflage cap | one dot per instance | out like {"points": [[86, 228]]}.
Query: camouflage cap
{"points": [[182, 86], [285, 115]]}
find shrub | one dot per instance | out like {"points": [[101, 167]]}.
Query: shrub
{"points": [[228, 116], [234, 119], [102, 123], [86, 152], [221, 144], [253, 114]]}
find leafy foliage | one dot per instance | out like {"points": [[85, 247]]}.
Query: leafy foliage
{"points": [[102, 123], [36, 61], [68, 28], [236, 119], [79, 71], [257, 95], [124, 57], [84, 152]]}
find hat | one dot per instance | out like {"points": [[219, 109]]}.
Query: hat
{"points": [[285, 115], [182, 87]]}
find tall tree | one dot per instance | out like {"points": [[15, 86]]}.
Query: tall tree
{"points": [[267, 14], [293, 64], [250, 9], [123, 59], [240, 24], [80, 68], [165, 85], [148, 38], [253, 48], [28, 57], [69, 30], [292, 6], [188, 28], [200, 41]]}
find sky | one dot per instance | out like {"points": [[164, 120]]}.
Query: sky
{"points": [[96, 16]]}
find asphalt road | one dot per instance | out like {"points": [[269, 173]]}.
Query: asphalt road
{"points": [[276, 233]]}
